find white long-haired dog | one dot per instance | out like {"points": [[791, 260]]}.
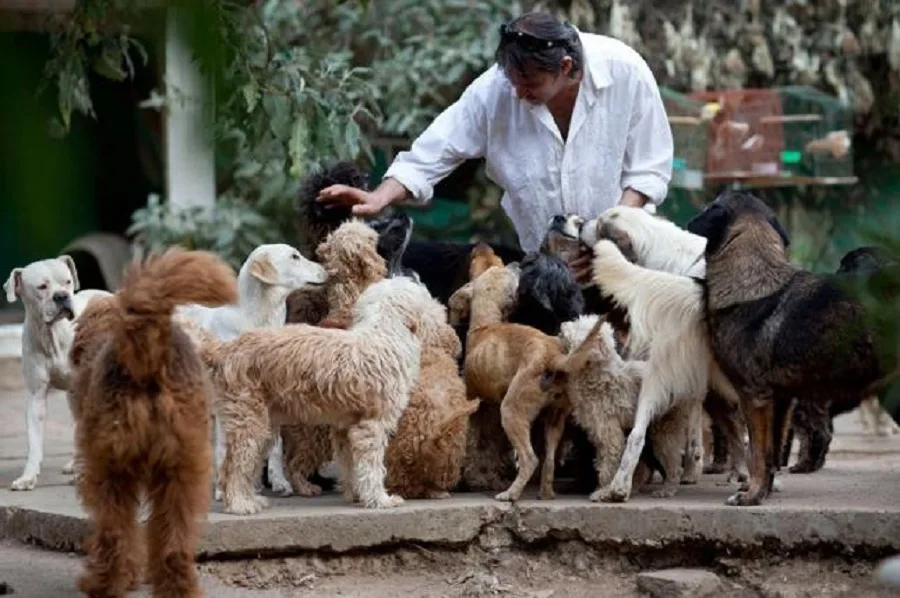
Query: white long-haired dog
{"points": [[667, 324], [265, 279], [659, 244]]}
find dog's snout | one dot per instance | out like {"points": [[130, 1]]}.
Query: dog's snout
{"points": [[60, 297]]}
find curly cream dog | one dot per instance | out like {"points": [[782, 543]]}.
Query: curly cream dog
{"points": [[357, 381], [603, 389], [350, 257]]}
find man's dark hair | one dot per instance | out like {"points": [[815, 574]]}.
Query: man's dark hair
{"points": [[538, 41]]}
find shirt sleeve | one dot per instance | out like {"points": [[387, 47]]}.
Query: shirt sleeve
{"points": [[458, 134], [647, 167]]}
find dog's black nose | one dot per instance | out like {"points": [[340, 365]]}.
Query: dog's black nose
{"points": [[60, 297], [558, 219]]}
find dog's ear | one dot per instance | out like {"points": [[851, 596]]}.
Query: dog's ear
{"points": [[13, 285], [776, 224], [460, 304], [262, 269], [70, 264], [711, 224], [369, 262]]}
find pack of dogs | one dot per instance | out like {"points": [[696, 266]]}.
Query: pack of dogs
{"points": [[386, 368]]}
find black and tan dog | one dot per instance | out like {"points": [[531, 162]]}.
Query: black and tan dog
{"points": [[777, 331], [811, 422]]}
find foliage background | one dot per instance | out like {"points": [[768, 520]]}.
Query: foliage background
{"points": [[300, 84]]}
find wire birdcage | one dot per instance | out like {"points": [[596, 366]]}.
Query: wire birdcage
{"points": [[818, 135], [745, 139], [689, 134]]}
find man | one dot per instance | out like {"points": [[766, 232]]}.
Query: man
{"points": [[566, 121]]}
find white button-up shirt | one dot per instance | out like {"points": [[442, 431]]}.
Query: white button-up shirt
{"points": [[619, 137]]}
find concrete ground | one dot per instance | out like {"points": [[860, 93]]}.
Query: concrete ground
{"points": [[848, 507]]}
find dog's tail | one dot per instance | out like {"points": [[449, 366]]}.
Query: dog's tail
{"points": [[150, 290], [600, 336]]}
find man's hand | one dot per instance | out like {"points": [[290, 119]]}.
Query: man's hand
{"points": [[633, 198], [581, 266], [365, 203]]}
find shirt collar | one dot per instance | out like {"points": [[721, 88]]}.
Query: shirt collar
{"points": [[596, 67]]}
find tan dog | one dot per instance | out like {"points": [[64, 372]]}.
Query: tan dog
{"points": [[356, 381], [504, 363], [351, 261]]}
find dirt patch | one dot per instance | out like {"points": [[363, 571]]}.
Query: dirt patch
{"points": [[570, 570]]}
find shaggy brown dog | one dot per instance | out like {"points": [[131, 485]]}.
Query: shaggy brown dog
{"points": [[351, 261], [504, 363], [425, 456], [143, 423], [777, 331]]}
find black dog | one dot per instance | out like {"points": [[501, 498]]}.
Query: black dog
{"points": [[443, 267]]}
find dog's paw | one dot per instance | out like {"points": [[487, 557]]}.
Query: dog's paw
{"points": [[776, 485], [306, 488], [507, 496], [69, 468], [24, 483], [743, 499], [690, 479], [387, 501], [437, 494], [282, 487], [546, 494], [667, 491], [715, 467], [802, 467], [245, 506]]}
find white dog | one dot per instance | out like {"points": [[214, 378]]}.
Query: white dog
{"points": [[266, 278], [47, 288], [667, 324], [659, 244]]}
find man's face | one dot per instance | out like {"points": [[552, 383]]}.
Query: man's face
{"points": [[537, 86]]}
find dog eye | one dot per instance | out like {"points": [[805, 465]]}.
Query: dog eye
{"points": [[42, 286], [68, 282], [295, 256]]}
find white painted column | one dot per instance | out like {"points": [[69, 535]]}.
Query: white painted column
{"points": [[189, 148]]}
